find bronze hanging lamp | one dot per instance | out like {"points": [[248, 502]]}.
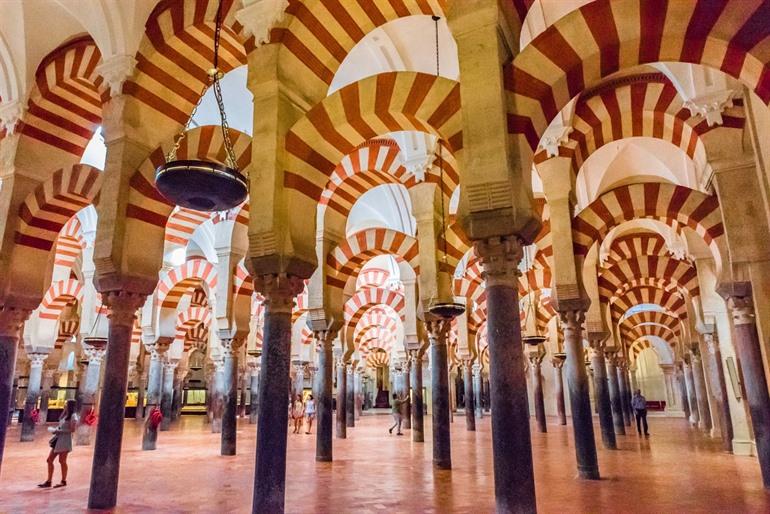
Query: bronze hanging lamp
{"points": [[536, 339], [199, 184], [444, 310]]}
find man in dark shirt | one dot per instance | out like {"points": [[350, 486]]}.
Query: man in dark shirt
{"points": [[639, 404]]}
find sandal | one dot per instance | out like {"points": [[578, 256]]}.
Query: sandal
{"points": [[63, 483], [45, 484]]}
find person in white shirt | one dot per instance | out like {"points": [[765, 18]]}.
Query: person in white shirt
{"points": [[309, 412]]}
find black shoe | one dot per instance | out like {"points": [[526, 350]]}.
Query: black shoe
{"points": [[63, 483], [399, 433], [390, 430], [45, 484], [646, 434]]}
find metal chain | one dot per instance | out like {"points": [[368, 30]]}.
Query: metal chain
{"points": [[440, 156]]}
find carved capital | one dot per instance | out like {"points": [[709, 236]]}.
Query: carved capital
{"points": [[324, 338], [11, 320], [94, 354], [122, 306], [230, 346], [500, 257], [557, 362], [711, 342], [712, 106], [259, 16], [169, 365], [36, 360], [438, 330], [742, 309], [572, 319], [10, 115], [116, 70], [279, 291]]}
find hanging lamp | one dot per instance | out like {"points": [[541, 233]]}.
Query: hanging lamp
{"points": [[536, 339], [444, 310], [204, 185]]}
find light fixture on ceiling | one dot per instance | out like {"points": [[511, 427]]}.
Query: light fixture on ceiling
{"points": [[445, 310], [204, 185], [532, 339]]}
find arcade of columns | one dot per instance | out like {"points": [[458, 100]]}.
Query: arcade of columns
{"points": [[282, 303]]}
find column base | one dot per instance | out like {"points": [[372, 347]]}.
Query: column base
{"points": [[323, 458], [744, 447], [589, 474], [442, 464]]}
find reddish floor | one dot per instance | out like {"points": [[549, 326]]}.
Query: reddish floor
{"points": [[677, 470]]}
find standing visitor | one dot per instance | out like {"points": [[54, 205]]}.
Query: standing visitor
{"points": [[61, 443], [639, 404], [310, 412], [297, 413], [397, 417]]}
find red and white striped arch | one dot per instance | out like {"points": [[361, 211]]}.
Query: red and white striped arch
{"points": [[650, 317], [182, 223], [372, 277], [69, 244], [607, 36], [189, 319], [671, 301], [365, 299], [65, 107], [613, 281], [347, 259], [633, 245], [184, 279], [176, 52], [365, 110], [54, 202], [59, 295]]}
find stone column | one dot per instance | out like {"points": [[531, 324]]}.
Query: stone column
{"points": [[45, 395], [719, 386], [253, 390], [699, 380], [470, 408], [167, 393], [342, 376], [178, 396], [680, 377], [94, 350], [270, 473], [536, 360], [580, 403], [558, 364], [438, 333], [218, 396], [11, 321], [36, 361], [418, 408], [602, 394], [692, 397], [323, 442], [350, 402], [122, 307], [141, 374], [614, 392], [747, 347], [154, 388], [476, 370], [407, 381], [229, 395], [623, 388]]}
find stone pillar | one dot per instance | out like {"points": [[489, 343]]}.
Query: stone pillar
{"points": [[438, 333], [580, 403], [178, 401], [122, 307], [36, 361], [692, 397], [230, 395], [699, 380], [407, 381], [680, 377], [602, 394], [476, 370], [94, 350], [45, 395], [253, 390], [270, 473], [719, 386], [154, 388], [470, 408], [350, 402], [623, 388], [11, 321], [618, 419], [218, 396], [752, 367], [536, 360], [342, 376], [418, 408], [141, 374], [323, 442], [558, 390], [167, 393]]}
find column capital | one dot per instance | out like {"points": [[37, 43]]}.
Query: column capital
{"points": [[11, 320], [572, 317], [500, 257], [438, 330], [742, 309], [36, 359], [94, 353], [279, 290], [116, 70], [259, 16], [122, 306], [230, 346], [324, 338], [170, 364], [536, 358], [219, 365], [558, 361]]}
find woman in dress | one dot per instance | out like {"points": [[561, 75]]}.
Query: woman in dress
{"points": [[297, 413], [310, 412], [61, 443]]}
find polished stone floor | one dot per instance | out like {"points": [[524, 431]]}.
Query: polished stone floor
{"points": [[676, 470]]}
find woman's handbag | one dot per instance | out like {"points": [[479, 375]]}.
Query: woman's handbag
{"points": [[52, 441]]}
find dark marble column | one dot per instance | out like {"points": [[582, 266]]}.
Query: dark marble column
{"points": [[253, 390], [470, 409], [752, 367], [11, 321], [94, 350], [167, 393], [324, 423], [623, 389], [407, 392], [476, 369], [692, 397], [511, 442], [350, 401], [536, 360], [122, 307], [141, 374], [342, 386], [270, 473], [602, 394], [438, 333], [218, 396], [418, 407], [558, 364], [700, 386], [36, 361], [154, 386], [230, 396], [580, 403], [614, 392], [683, 390], [719, 386]]}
